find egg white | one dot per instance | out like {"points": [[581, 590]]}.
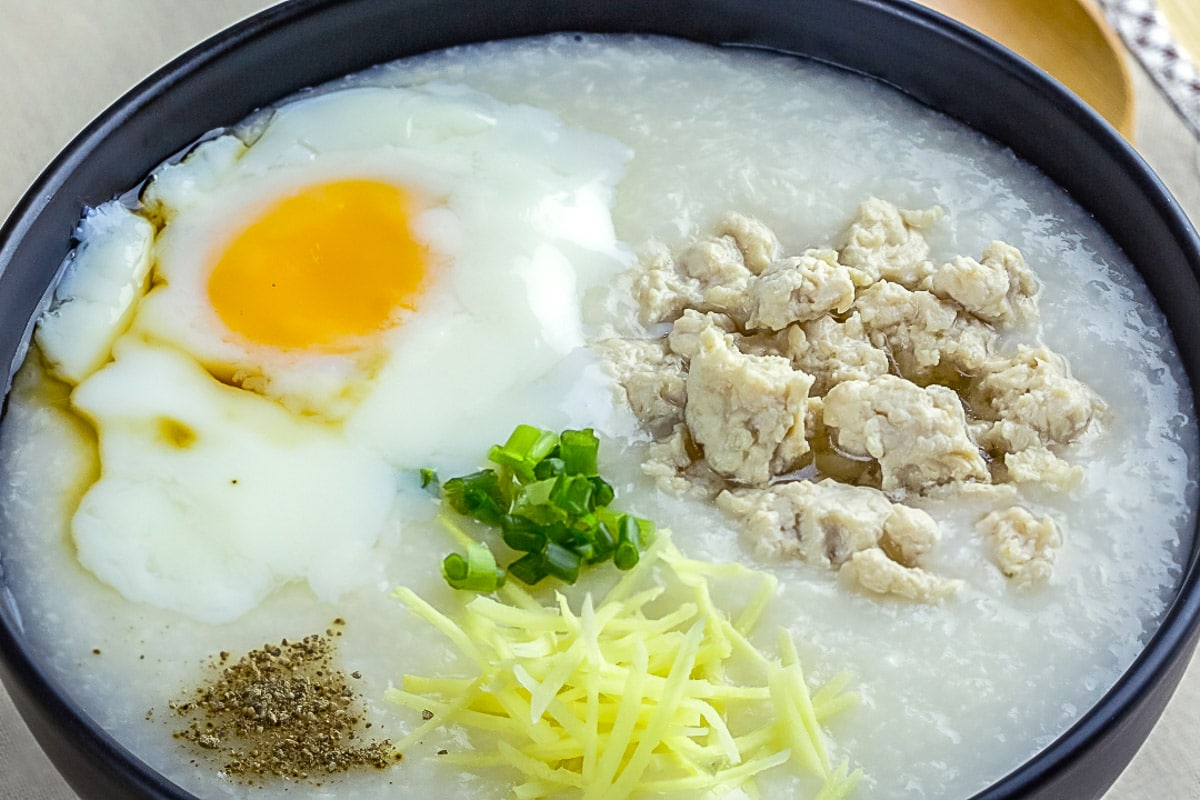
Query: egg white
{"points": [[98, 291], [229, 469], [211, 497], [512, 210]]}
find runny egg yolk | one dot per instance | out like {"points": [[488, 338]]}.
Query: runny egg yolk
{"points": [[321, 268]]}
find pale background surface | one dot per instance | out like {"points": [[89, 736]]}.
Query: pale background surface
{"points": [[64, 61]]}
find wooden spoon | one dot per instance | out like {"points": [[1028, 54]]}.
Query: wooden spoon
{"points": [[1068, 38]]}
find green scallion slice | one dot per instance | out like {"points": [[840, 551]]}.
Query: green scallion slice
{"points": [[562, 562], [524, 449], [478, 572], [579, 451]]}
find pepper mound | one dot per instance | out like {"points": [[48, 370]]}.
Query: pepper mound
{"points": [[282, 711]]}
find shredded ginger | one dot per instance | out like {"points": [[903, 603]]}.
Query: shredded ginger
{"points": [[631, 697]]}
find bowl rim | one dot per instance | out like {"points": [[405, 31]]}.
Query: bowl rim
{"points": [[1162, 659]]}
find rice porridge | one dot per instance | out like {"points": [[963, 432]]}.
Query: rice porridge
{"points": [[538, 179]]}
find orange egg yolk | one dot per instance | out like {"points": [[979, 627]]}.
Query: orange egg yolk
{"points": [[321, 268]]}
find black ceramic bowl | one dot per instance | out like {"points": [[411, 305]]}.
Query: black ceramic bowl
{"points": [[937, 62]]}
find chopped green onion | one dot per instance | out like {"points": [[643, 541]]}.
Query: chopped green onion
{"points": [[626, 556], [534, 503], [547, 498], [610, 517], [646, 530], [529, 568], [631, 541], [477, 495], [603, 492], [478, 572], [430, 483], [522, 534], [524, 449], [534, 494], [586, 552], [573, 494], [550, 467], [628, 530], [579, 450], [604, 540], [561, 562]]}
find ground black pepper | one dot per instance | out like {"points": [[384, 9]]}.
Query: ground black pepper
{"points": [[281, 711]]}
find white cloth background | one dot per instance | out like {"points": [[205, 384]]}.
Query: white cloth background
{"points": [[1147, 33], [64, 61]]}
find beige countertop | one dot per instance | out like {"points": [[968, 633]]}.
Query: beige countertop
{"points": [[64, 61]]}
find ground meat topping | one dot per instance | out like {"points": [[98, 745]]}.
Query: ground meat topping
{"points": [[999, 288], [917, 434], [925, 337], [756, 242], [821, 522], [1023, 546], [1038, 465], [833, 351], [1034, 392], [653, 380], [745, 411], [808, 394], [885, 243], [875, 572], [798, 289]]}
